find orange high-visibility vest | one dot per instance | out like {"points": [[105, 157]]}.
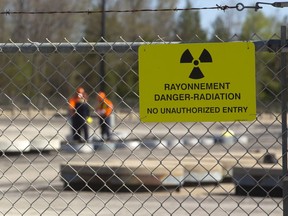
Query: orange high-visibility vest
{"points": [[107, 105]]}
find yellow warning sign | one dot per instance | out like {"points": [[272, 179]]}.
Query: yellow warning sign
{"points": [[197, 82]]}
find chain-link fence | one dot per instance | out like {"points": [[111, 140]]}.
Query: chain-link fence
{"points": [[177, 168]]}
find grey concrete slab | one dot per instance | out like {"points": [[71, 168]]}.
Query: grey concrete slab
{"points": [[258, 180]]}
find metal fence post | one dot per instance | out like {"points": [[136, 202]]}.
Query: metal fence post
{"points": [[103, 33], [284, 120]]}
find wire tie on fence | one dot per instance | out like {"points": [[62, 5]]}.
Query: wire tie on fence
{"points": [[7, 12], [224, 7]]}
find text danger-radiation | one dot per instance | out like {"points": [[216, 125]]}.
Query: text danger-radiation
{"points": [[197, 96]]}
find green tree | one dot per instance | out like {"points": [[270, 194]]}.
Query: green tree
{"points": [[36, 67], [89, 71], [145, 25], [220, 30], [258, 27], [189, 25], [40, 27], [258, 23], [163, 24], [121, 74]]}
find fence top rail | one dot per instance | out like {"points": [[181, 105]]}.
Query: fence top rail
{"points": [[105, 47], [82, 47]]}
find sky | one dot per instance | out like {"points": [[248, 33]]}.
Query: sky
{"points": [[208, 16]]}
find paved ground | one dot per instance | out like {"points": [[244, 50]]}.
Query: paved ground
{"points": [[31, 184]]}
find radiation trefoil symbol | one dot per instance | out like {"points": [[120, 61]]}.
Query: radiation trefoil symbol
{"points": [[196, 72]]}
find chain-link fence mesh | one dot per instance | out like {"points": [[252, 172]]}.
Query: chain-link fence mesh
{"points": [[191, 168]]}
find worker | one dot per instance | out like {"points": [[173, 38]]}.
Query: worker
{"points": [[104, 110], [82, 113], [72, 101], [80, 93]]}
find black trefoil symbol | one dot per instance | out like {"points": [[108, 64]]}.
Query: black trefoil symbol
{"points": [[196, 72]]}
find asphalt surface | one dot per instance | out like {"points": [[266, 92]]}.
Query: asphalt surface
{"points": [[31, 182]]}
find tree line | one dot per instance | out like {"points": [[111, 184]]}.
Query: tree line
{"points": [[56, 76]]}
